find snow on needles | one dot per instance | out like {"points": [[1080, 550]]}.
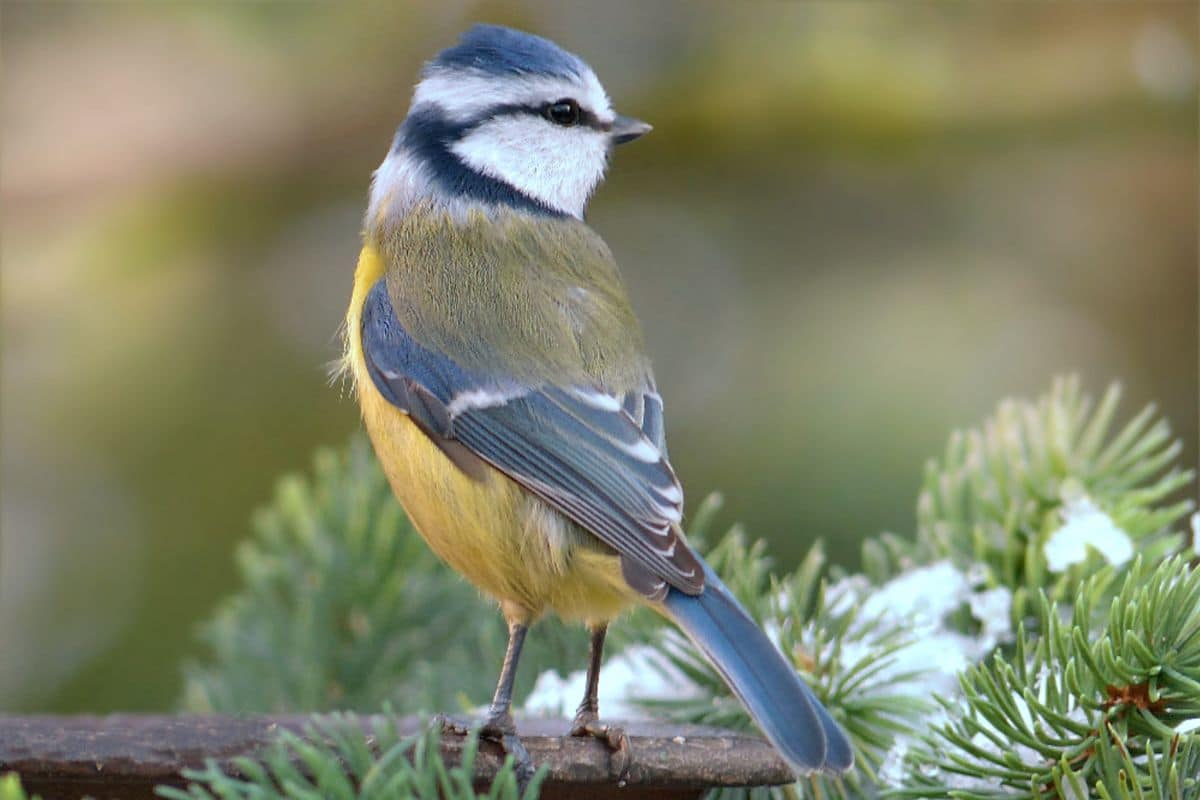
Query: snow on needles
{"points": [[922, 601], [1085, 525]]}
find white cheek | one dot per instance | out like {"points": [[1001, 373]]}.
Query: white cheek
{"points": [[556, 166]]}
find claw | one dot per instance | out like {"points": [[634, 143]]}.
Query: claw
{"points": [[522, 763], [587, 723]]}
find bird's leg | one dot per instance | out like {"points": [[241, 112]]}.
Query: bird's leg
{"points": [[498, 722], [587, 717], [589, 708]]}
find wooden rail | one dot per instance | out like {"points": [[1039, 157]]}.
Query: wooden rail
{"points": [[127, 755]]}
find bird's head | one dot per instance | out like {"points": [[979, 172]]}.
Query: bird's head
{"points": [[511, 119]]}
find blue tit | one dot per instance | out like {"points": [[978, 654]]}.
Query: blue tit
{"points": [[506, 389]]}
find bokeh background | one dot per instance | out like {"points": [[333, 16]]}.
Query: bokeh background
{"points": [[855, 227]]}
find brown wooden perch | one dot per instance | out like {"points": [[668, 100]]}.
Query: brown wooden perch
{"points": [[126, 755]]}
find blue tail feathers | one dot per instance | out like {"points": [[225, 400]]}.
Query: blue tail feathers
{"points": [[786, 710]]}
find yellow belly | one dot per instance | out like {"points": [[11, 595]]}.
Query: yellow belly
{"points": [[508, 543]]}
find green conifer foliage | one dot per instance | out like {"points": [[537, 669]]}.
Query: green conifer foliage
{"points": [[339, 759], [342, 606], [1038, 636]]}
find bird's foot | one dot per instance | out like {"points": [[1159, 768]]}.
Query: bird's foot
{"points": [[497, 724], [500, 728], [587, 723]]}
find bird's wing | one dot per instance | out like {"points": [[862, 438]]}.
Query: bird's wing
{"points": [[593, 456]]}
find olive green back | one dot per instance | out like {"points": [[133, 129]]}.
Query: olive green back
{"points": [[532, 298]]}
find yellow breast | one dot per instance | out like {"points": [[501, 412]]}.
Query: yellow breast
{"points": [[505, 541]]}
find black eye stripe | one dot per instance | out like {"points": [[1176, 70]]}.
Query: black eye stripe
{"points": [[586, 118], [590, 120]]}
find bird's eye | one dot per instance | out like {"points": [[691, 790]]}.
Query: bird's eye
{"points": [[563, 112]]}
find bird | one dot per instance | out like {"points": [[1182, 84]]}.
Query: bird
{"points": [[504, 383]]}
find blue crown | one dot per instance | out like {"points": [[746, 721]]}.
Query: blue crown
{"points": [[497, 50]]}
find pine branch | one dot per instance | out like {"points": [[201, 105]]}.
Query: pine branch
{"points": [[1002, 493], [1073, 709]]}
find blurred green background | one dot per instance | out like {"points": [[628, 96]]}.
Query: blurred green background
{"points": [[855, 227]]}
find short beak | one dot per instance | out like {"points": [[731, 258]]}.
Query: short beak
{"points": [[626, 129]]}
